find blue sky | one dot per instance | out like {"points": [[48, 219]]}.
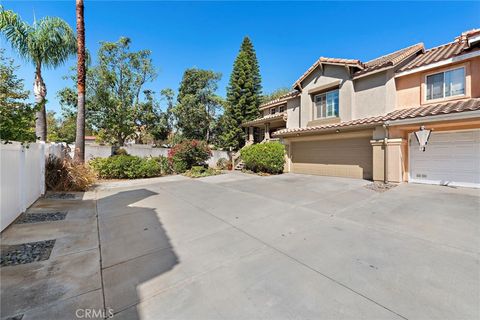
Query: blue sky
{"points": [[288, 36]]}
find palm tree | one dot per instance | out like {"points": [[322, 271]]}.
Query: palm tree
{"points": [[80, 134], [48, 42]]}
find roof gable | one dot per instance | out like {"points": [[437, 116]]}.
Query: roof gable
{"points": [[324, 60]]}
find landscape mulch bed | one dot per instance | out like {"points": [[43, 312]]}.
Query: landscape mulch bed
{"points": [[380, 186]]}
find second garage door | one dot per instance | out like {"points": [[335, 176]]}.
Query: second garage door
{"points": [[351, 158], [450, 158]]}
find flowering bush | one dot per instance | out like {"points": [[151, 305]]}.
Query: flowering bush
{"points": [[188, 153]]}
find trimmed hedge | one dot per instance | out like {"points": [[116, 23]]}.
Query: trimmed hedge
{"points": [[127, 167], [264, 157]]}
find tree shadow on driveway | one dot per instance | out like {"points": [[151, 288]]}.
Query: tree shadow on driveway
{"points": [[135, 249]]}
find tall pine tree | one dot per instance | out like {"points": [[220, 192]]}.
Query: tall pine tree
{"points": [[244, 94]]}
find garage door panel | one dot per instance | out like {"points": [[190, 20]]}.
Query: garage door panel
{"points": [[451, 158], [340, 157]]}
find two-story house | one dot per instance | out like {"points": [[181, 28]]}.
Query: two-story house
{"points": [[355, 119]]}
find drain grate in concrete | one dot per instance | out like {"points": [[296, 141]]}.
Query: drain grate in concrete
{"points": [[26, 252], [41, 217], [61, 195], [17, 317]]}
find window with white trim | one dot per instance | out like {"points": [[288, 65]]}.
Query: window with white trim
{"points": [[326, 105], [446, 84], [281, 109], [273, 110]]}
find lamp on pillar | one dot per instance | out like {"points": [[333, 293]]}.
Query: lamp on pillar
{"points": [[422, 136]]}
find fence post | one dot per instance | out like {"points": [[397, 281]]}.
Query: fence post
{"points": [[21, 185], [43, 155]]}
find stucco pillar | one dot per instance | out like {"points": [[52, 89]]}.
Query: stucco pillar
{"points": [[286, 167], [250, 135], [395, 159], [267, 131], [378, 147]]}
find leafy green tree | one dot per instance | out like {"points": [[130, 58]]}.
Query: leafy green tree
{"points": [[114, 91], [244, 95], [275, 94], [118, 81], [197, 104], [17, 118], [168, 118], [48, 42], [150, 120], [61, 129]]}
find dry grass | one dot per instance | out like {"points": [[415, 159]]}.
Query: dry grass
{"points": [[65, 175]]}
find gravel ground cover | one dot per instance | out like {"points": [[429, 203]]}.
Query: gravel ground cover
{"points": [[380, 186], [26, 252], [41, 217]]}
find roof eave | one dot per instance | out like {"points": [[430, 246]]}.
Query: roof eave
{"points": [[328, 130], [435, 118], [458, 58]]}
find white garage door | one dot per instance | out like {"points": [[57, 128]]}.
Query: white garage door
{"points": [[450, 158]]}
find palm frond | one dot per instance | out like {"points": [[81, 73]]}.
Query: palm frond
{"points": [[15, 31], [55, 41]]}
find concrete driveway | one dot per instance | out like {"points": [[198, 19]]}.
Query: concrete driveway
{"points": [[290, 246], [239, 246]]}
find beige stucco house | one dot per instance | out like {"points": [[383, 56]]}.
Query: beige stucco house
{"points": [[350, 118]]}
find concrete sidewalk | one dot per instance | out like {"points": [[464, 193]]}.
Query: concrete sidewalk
{"points": [[70, 279]]}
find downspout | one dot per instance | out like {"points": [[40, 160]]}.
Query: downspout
{"points": [[385, 156]]}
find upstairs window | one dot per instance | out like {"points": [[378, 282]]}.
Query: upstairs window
{"points": [[273, 110], [326, 105], [282, 109], [446, 84]]}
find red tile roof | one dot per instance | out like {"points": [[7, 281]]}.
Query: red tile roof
{"points": [[390, 60], [284, 98], [410, 113], [276, 116], [443, 52]]}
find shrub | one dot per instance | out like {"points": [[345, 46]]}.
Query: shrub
{"points": [[165, 166], [126, 167], [65, 175], [223, 164], [200, 171], [188, 153], [264, 157], [120, 152]]}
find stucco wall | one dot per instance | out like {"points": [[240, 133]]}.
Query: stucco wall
{"points": [[374, 94], [318, 78], [410, 91], [293, 113]]}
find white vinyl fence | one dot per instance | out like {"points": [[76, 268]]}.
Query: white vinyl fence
{"points": [[22, 178], [141, 150]]}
